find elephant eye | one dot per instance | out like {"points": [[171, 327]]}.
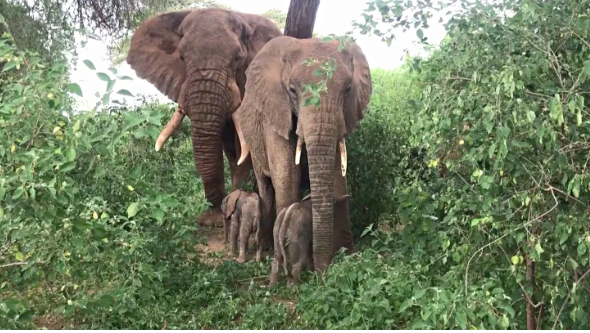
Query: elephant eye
{"points": [[182, 58]]}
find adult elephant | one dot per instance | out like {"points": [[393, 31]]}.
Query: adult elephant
{"points": [[198, 59], [276, 123]]}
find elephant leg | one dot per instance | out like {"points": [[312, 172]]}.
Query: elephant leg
{"points": [[231, 147], [226, 227], [245, 229], [277, 259], [266, 195], [342, 229], [235, 229], [295, 273], [286, 176]]}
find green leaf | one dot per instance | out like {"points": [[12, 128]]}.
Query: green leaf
{"points": [[75, 89], [105, 98], [125, 92], [71, 155], [89, 64], [1, 212], [110, 85], [587, 67], [8, 66], [103, 76], [19, 256], [576, 188], [159, 215], [126, 78], [420, 34], [68, 166], [539, 249], [514, 260], [18, 192], [2, 192], [581, 249], [140, 133], [132, 209]]}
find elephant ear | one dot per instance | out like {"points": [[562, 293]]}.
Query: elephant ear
{"points": [[232, 199], [262, 31], [154, 54], [265, 91], [360, 95]]}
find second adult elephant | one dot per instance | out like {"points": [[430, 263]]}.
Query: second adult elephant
{"points": [[198, 59], [277, 122]]}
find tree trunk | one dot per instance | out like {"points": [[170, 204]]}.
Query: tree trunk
{"points": [[301, 18]]}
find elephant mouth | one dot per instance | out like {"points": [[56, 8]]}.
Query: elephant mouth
{"points": [[177, 119], [343, 156]]}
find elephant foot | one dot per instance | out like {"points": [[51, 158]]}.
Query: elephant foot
{"points": [[212, 218], [241, 260], [273, 280]]}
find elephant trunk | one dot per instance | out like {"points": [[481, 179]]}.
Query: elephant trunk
{"points": [[321, 135], [206, 101]]}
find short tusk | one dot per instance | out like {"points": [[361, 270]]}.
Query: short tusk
{"points": [[298, 151], [243, 146], [172, 125], [343, 156]]}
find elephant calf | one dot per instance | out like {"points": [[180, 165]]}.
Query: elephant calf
{"points": [[244, 211], [293, 237]]}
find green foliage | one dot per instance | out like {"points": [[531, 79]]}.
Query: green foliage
{"points": [[501, 121], [41, 29], [277, 16]]}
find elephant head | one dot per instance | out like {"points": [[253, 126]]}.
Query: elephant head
{"points": [[275, 89], [198, 59]]}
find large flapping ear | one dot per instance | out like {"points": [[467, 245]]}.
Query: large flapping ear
{"points": [[154, 54], [265, 87], [360, 95], [262, 30]]}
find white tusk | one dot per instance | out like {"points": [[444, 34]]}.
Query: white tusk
{"points": [[170, 127], [298, 151], [243, 146], [343, 156]]}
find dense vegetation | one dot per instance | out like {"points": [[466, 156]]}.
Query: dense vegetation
{"points": [[468, 179]]}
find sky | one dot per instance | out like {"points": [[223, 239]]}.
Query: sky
{"points": [[333, 17]]}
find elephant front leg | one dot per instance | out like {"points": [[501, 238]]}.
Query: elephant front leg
{"points": [[245, 230], [266, 195], [234, 233]]}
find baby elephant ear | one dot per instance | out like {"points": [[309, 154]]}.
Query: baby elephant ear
{"points": [[230, 207]]}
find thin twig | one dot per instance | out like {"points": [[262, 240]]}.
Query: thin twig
{"points": [[567, 298], [476, 252]]}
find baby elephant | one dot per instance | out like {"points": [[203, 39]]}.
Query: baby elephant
{"points": [[293, 240], [243, 209]]}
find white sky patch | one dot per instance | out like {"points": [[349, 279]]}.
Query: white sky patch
{"points": [[333, 17]]}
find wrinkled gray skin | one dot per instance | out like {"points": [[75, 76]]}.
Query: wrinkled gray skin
{"points": [[293, 237], [241, 211]]}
